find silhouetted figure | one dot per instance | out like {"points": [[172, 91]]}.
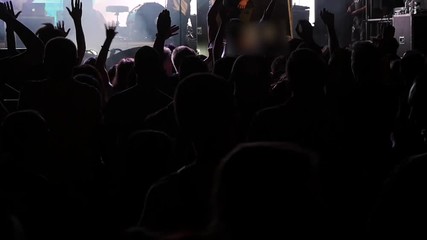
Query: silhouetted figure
{"points": [[303, 118], [71, 109], [48, 32], [269, 191], [223, 67], [357, 10], [280, 89], [410, 67], [148, 158], [251, 77], [204, 112], [25, 141], [124, 76], [26, 167], [179, 54], [94, 80], [126, 111], [304, 30], [401, 207], [387, 43], [191, 65]]}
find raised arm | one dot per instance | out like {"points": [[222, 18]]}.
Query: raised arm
{"points": [[10, 33], [110, 31], [359, 11], [35, 48], [350, 8], [76, 14], [164, 31], [329, 19]]}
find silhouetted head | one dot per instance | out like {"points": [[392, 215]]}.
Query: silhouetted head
{"points": [[179, 54], [90, 61], [167, 61], [148, 66], [389, 32], [60, 57], [88, 80], [48, 32], [306, 73], [278, 67], [341, 76], [91, 71], [204, 108], [124, 72], [223, 67], [269, 188], [251, 77], [366, 64], [191, 65]]}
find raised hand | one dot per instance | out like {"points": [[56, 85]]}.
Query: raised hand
{"points": [[76, 10], [327, 17], [110, 30], [4, 14], [61, 27], [164, 28], [9, 8]]}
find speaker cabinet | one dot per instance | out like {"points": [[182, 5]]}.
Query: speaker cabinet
{"points": [[410, 32]]}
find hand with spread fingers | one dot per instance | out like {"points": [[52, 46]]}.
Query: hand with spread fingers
{"points": [[76, 10], [11, 11], [61, 27], [164, 28]]}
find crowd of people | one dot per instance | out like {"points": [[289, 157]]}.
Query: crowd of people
{"points": [[288, 140]]}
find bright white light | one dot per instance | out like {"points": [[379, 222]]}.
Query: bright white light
{"points": [[307, 3]]}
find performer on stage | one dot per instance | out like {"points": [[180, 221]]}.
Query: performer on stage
{"points": [[280, 12], [357, 9]]}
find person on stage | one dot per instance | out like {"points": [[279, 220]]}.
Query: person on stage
{"points": [[357, 9]]}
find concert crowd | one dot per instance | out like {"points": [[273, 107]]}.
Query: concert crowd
{"points": [[274, 139]]}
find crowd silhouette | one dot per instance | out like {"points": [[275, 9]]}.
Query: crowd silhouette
{"points": [[304, 141]]}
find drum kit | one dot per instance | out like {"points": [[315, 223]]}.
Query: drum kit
{"points": [[140, 23]]}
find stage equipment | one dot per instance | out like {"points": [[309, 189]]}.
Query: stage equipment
{"points": [[141, 21]]}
